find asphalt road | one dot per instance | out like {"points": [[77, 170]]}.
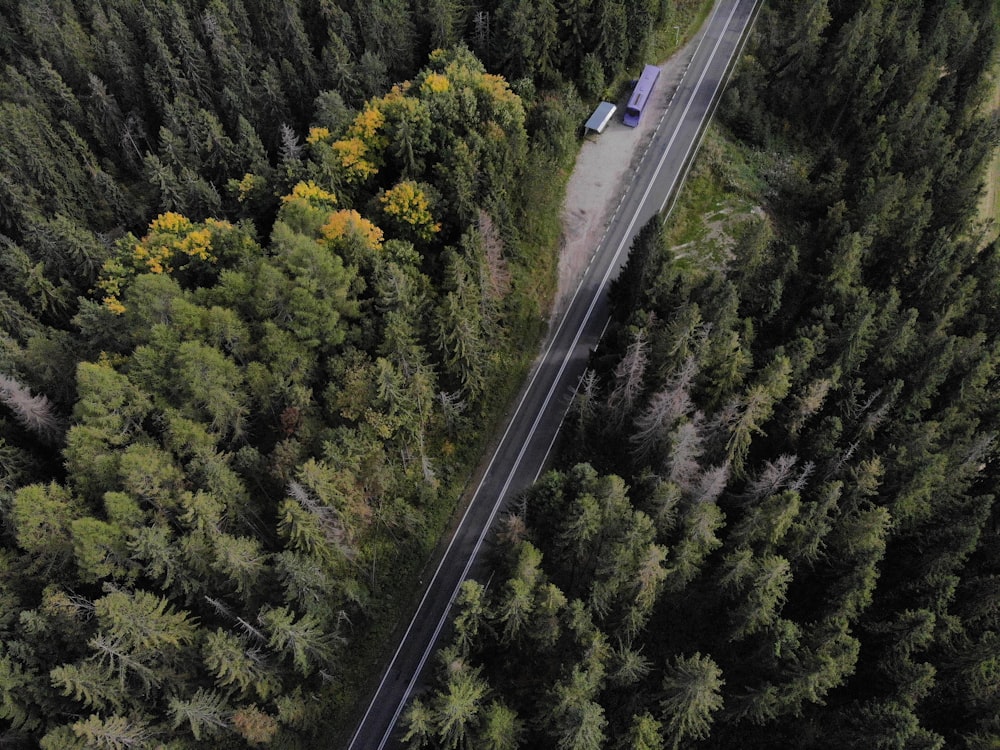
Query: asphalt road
{"points": [[522, 451]]}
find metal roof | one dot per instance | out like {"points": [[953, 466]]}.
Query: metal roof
{"points": [[601, 117]]}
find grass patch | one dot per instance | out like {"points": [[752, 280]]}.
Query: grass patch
{"points": [[721, 197], [544, 190], [680, 22]]}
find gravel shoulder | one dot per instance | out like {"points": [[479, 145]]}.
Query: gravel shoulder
{"points": [[603, 171]]}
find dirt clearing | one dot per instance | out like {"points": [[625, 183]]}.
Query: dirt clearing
{"points": [[604, 167]]}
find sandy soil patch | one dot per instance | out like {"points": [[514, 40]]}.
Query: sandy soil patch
{"points": [[604, 167]]}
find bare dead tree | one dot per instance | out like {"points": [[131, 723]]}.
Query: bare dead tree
{"points": [[683, 462], [220, 607], [452, 407], [34, 413], [772, 477], [482, 34], [873, 419], [838, 463], [713, 482], [809, 402], [291, 147], [628, 378], [251, 630], [583, 410], [665, 408], [799, 483], [497, 283], [513, 530]]}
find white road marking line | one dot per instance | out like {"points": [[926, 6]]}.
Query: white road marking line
{"points": [[444, 618]]}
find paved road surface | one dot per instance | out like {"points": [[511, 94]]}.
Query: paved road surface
{"points": [[523, 450]]}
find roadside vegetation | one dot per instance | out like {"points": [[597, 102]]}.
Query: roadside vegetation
{"points": [[774, 522], [680, 21], [270, 272], [721, 200]]}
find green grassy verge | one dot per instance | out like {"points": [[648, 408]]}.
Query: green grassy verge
{"points": [[681, 21], [716, 203]]}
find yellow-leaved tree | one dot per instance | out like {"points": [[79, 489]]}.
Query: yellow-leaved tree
{"points": [[454, 127], [347, 230], [174, 245], [408, 208]]}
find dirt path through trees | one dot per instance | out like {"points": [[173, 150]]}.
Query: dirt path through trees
{"points": [[604, 167]]}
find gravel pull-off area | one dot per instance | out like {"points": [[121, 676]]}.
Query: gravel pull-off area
{"points": [[604, 169]]}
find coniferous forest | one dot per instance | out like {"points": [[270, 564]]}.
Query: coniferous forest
{"points": [[774, 521], [269, 271]]}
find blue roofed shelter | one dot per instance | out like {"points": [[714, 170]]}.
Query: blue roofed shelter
{"points": [[601, 117]]}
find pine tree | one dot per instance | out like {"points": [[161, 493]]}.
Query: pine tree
{"points": [[16, 704], [578, 721], [644, 734], [458, 712], [241, 561], [691, 696], [41, 518], [116, 732], [502, 729], [203, 713], [304, 640], [472, 611], [90, 684]]}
